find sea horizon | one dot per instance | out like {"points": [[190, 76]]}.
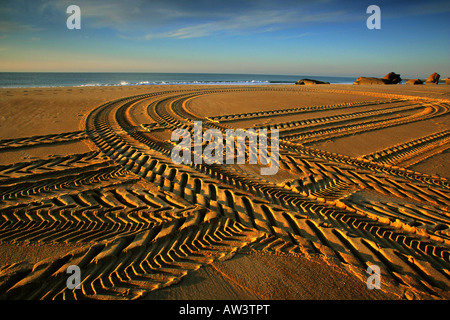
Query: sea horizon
{"points": [[94, 79]]}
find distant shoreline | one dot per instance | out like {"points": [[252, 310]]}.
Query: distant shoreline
{"points": [[73, 79], [124, 79]]}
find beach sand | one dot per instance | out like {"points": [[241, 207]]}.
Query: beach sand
{"points": [[363, 180]]}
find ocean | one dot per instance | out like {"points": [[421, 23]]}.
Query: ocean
{"points": [[86, 79]]}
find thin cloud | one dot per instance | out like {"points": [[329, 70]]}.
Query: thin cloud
{"points": [[122, 16], [181, 19], [11, 26], [249, 23]]}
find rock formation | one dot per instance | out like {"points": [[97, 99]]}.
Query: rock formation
{"points": [[394, 77], [310, 82], [433, 78], [414, 81], [370, 80], [390, 78]]}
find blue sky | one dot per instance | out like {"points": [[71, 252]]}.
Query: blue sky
{"points": [[327, 37]]}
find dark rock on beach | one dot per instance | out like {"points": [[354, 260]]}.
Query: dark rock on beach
{"points": [[433, 78], [310, 82], [390, 78], [393, 77], [414, 81], [370, 80]]}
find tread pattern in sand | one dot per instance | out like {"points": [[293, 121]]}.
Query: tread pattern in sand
{"points": [[146, 240], [11, 144]]}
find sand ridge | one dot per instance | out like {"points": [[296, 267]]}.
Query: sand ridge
{"points": [[140, 226]]}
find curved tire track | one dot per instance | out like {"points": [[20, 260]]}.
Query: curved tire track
{"points": [[221, 210]]}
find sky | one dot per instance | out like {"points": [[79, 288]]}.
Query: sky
{"points": [[323, 37]]}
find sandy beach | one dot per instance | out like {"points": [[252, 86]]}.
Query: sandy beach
{"points": [[86, 179]]}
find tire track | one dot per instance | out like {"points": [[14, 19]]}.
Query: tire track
{"points": [[413, 151], [130, 267], [48, 183], [431, 111], [311, 124], [203, 213], [91, 215], [241, 208], [60, 138], [301, 110], [49, 165]]}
